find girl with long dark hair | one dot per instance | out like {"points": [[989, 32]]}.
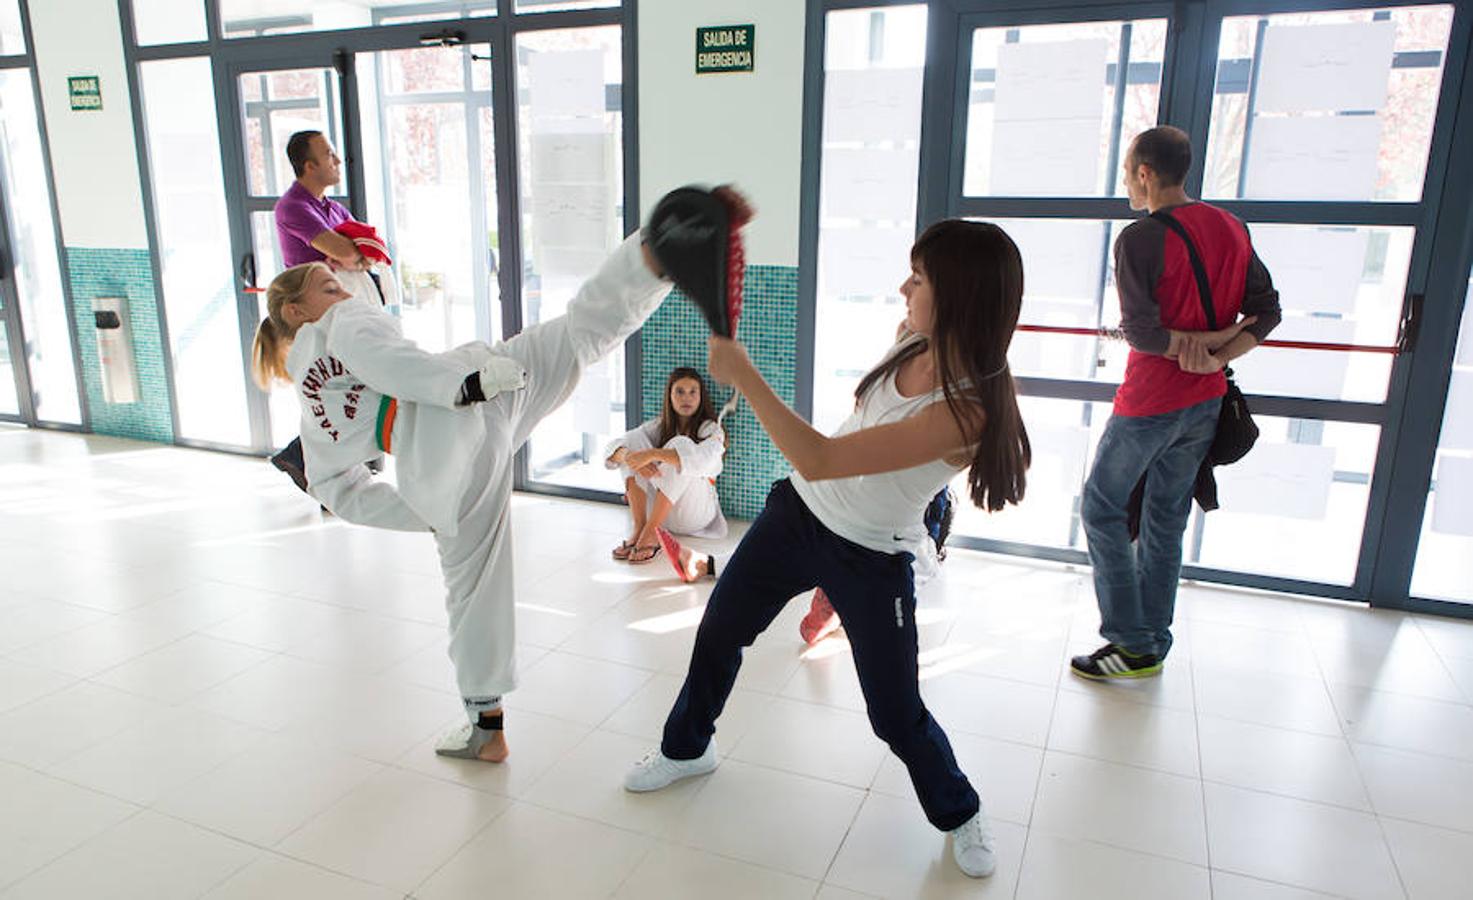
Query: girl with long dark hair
{"points": [[849, 520], [669, 466]]}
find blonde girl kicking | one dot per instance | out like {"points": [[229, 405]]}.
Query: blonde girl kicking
{"points": [[453, 422]]}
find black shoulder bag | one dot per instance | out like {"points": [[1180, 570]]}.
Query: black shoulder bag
{"points": [[1236, 432]]}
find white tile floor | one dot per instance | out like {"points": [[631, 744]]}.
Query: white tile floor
{"points": [[208, 690]]}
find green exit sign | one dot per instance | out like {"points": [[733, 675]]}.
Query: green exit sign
{"points": [[85, 92], [725, 48]]}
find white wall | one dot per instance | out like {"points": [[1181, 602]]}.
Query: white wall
{"points": [[745, 128], [92, 152]]}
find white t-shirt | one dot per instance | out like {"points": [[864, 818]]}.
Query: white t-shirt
{"points": [[883, 512]]}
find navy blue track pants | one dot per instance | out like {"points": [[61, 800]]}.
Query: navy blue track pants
{"points": [[788, 551]]}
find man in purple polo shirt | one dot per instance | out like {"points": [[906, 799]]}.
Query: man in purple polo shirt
{"points": [[305, 218]]}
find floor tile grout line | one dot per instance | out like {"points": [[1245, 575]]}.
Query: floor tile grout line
{"points": [[7, 887], [1202, 779], [1342, 720], [1042, 764], [450, 857], [1375, 811]]}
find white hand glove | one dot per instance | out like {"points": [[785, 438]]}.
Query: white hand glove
{"points": [[501, 373]]}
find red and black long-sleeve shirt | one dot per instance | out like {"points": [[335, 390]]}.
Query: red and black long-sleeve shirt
{"points": [[1158, 294]]}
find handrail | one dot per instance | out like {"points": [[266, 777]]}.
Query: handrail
{"points": [[1392, 350]]}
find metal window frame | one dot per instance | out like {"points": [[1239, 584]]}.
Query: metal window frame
{"points": [[229, 56], [1411, 415], [11, 319]]}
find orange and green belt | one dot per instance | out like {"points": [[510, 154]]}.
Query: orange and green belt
{"points": [[383, 432]]}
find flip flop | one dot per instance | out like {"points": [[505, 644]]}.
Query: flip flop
{"points": [[672, 552], [621, 552], [654, 551]]}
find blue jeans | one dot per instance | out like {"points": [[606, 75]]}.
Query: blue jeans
{"points": [[1135, 586]]}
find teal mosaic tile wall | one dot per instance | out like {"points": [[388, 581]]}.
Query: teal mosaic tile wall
{"points": [[122, 273], [676, 336]]}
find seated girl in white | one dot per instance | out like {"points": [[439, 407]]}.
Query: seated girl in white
{"points": [[670, 466]]}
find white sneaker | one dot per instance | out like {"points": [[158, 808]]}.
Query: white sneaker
{"points": [[971, 846], [656, 770]]}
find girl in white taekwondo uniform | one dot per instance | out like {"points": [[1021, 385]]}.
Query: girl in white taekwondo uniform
{"points": [[453, 421]]}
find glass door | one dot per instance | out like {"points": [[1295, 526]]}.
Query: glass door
{"points": [[12, 371], [1050, 101], [1444, 566], [429, 166], [36, 345], [1327, 172], [196, 263], [570, 127], [269, 106], [415, 129], [490, 156]]}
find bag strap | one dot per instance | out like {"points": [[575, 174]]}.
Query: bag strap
{"points": [[1204, 290]]}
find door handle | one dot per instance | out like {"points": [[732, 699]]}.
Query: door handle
{"points": [[1411, 322], [248, 274]]}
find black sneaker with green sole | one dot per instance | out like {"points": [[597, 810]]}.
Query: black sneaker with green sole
{"points": [[1113, 661]]}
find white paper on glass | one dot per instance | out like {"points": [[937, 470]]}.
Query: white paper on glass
{"points": [[1047, 113], [575, 264], [572, 216], [561, 157], [870, 105], [869, 261], [1051, 80], [591, 402], [566, 83], [1299, 373], [1325, 67], [1282, 480], [1313, 157], [1045, 157], [1061, 258], [1314, 269], [1457, 421], [1452, 502], [870, 184]]}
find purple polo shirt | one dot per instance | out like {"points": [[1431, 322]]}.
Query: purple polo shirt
{"points": [[300, 217]]}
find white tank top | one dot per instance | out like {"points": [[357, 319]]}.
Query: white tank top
{"points": [[883, 512]]}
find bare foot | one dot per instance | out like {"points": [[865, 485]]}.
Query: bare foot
{"points": [[688, 564], [696, 565], [821, 620], [495, 749]]}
